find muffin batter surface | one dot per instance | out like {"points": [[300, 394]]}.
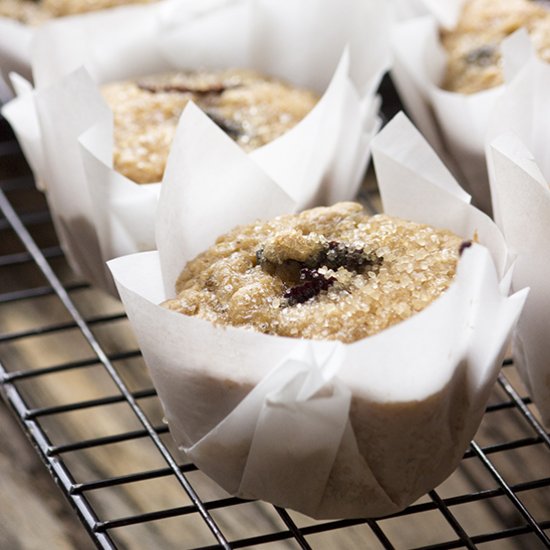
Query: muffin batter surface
{"points": [[250, 108], [24, 11], [34, 13], [473, 47], [327, 273]]}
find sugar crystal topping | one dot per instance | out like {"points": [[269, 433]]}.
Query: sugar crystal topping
{"points": [[326, 273], [473, 47], [251, 108]]}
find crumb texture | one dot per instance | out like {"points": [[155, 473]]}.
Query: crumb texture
{"points": [[34, 13], [24, 11], [250, 108], [473, 47], [328, 273]]}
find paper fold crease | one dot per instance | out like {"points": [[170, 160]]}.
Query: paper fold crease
{"points": [[66, 132], [252, 410]]}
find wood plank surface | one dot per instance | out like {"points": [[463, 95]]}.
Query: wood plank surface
{"points": [[34, 515]]}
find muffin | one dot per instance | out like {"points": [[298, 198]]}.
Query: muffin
{"points": [[250, 108], [34, 13], [60, 8], [375, 423], [331, 273], [473, 47], [24, 11]]}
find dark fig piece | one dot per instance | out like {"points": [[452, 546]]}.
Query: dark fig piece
{"points": [[314, 283], [214, 88], [333, 255], [483, 56], [231, 128], [338, 255]]}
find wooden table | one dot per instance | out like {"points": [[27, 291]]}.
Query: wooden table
{"points": [[34, 513]]}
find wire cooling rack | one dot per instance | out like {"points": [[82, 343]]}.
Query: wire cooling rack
{"points": [[74, 379]]}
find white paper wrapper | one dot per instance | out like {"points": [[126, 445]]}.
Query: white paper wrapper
{"points": [[519, 167], [66, 129], [445, 11], [329, 429], [15, 46], [454, 123]]}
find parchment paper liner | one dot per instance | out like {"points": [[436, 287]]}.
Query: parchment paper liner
{"points": [[519, 168], [66, 129], [15, 45], [328, 429], [455, 124], [445, 11], [16, 48]]}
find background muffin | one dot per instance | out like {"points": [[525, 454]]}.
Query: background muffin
{"points": [[367, 426], [251, 108], [34, 13], [473, 46], [326, 273], [24, 11], [321, 160]]}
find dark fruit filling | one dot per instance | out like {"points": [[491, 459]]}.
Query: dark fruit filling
{"points": [[305, 281], [210, 88], [337, 255], [232, 129], [482, 56], [314, 283]]}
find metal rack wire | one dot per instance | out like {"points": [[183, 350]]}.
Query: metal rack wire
{"points": [[499, 497]]}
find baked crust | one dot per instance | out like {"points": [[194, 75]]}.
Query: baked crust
{"points": [[473, 47], [34, 13], [326, 273], [249, 107]]}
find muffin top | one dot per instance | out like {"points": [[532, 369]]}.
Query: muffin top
{"points": [[24, 11], [31, 12], [60, 8], [250, 108], [473, 47], [330, 273]]}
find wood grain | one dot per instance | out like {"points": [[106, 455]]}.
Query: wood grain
{"points": [[34, 515], [33, 512]]}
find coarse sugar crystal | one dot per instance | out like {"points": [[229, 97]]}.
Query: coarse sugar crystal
{"points": [[380, 274]]}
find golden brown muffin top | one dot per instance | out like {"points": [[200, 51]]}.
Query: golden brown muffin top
{"points": [[251, 108], [31, 12], [327, 273], [473, 47]]}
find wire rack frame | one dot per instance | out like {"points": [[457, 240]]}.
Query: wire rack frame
{"points": [[17, 222]]}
